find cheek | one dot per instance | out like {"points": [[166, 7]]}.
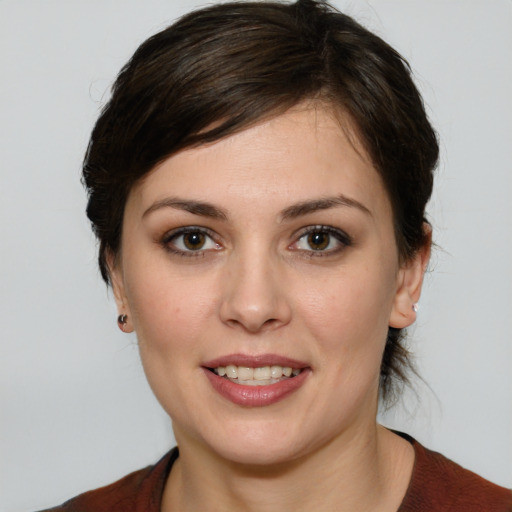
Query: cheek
{"points": [[172, 317], [169, 311], [348, 316]]}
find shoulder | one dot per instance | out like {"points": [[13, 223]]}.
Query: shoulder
{"points": [[140, 491], [442, 485]]}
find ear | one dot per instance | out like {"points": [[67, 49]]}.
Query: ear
{"points": [[409, 283], [117, 281]]}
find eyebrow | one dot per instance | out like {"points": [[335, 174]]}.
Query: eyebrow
{"points": [[306, 207], [196, 207], [294, 211]]}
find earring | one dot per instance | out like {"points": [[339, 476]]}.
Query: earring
{"points": [[415, 307], [121, 321]]}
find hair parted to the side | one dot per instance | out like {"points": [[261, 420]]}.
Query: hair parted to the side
{"points": [[221, 69]]}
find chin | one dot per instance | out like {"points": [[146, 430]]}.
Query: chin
{"points": [[265, 444], [250, 454]]}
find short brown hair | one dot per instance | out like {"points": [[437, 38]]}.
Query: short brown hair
{"points": [[218, 70]]}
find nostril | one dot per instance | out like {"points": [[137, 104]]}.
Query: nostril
{"points": [[253, 325]]}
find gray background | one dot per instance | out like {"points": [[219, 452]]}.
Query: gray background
{"points": [[75, 410]]}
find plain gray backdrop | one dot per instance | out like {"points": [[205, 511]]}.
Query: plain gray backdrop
{"points": [[75, 409]]}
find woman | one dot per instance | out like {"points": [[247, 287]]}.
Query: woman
{"points": [[258, 185]]}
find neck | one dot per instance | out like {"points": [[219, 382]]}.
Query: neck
{"points": [[362, 470]]}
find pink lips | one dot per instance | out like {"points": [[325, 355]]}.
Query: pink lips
{"points": [[255, 396], [254, 361]]}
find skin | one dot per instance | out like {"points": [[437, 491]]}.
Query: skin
{"points": [[257, 286]]}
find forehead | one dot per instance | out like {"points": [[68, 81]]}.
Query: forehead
{"points": [[306, 152]]}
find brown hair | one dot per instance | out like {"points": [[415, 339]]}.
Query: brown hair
{"points": [[218, 70]]}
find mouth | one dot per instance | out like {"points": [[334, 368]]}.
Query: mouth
{"points": [[256, 381], [259, 376]]}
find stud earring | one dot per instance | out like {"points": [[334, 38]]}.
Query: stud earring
{"points": [[415, 307], [121, 321]]}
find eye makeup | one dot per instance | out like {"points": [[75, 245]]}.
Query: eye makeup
{"points": [[190, 241]]}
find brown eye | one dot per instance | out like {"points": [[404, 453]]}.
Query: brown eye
{"points": [[318, 240], [194, 240], [322, 241], [190, 241]]}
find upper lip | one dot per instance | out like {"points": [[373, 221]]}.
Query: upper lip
{"points": [[255, 361]]}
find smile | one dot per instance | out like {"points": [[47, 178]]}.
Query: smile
{"points": [[260, 376], [256, 381]]}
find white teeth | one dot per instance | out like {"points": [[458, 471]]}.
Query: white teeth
{"points": [[245, 373], [231, 371], [276, 372], [262, 375]]}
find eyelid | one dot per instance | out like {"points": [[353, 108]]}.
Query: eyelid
{"points": [[341, 236], [183, 230]]}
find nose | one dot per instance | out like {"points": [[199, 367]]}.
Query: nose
{"points": [[254, 294]]}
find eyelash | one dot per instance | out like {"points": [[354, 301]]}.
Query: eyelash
{"points": [[340, 236], [169, 238]]}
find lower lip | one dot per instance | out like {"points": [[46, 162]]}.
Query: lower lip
{"points": [[256, 396]]}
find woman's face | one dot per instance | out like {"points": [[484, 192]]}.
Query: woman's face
{"points": [[269, 250]]}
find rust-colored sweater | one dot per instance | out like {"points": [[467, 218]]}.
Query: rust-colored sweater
{"points": [[437, 485]]}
